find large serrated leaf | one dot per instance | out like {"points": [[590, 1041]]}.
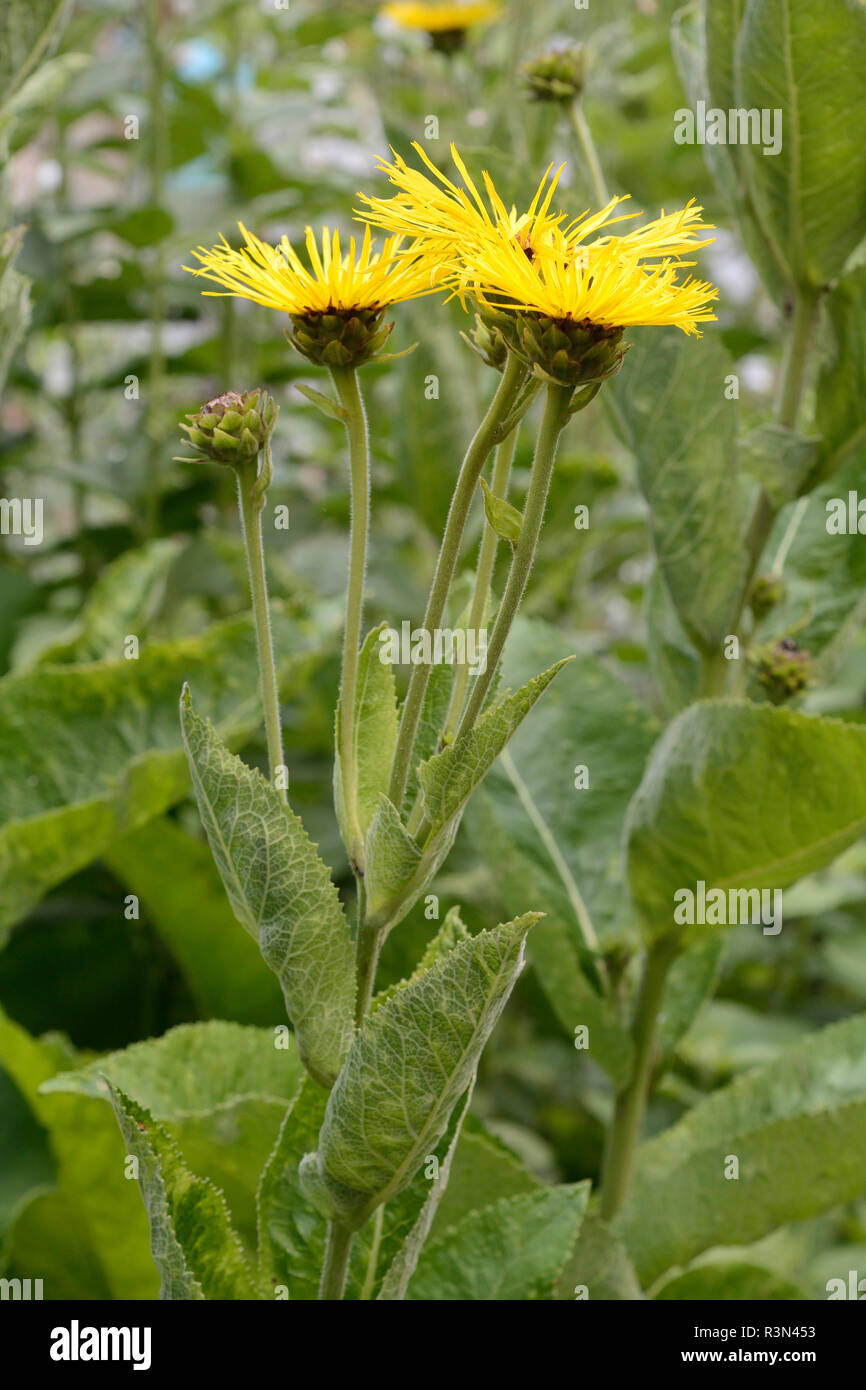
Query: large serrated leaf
{"points": [[196, 1251], [414, 1057], [281, 893], [448, 778], [291, 1231], [797, 1128], [88, 753], [221, 1092], [673, 413], [106, 1232], [742, 796], [809, 194], [512, 1250], [375, 726]]}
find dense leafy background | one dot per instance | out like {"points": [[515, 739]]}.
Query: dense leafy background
{"points": [[276, 116]]}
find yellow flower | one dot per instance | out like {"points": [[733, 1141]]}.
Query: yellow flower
{"points": [[537, 263], [447, 219], [441, 18], [276, 277], [610, 281]]}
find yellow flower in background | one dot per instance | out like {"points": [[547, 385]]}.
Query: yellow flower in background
{"points": [[276, 277], [441, 18]]}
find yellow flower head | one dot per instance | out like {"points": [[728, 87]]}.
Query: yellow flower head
{"points": [[276, 277], [441, 18], [447, 219], [536, 262]]}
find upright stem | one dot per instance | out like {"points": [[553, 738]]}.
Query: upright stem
{"points": [[483, 575], [335, 1267], [630, 1105], [555, 416], [252, 501], [589, 152], [346, 384], [477, 454]]}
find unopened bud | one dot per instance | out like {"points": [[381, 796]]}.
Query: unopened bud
{"points": [[232, 428]]}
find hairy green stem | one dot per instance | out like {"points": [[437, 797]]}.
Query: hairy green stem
{"points": [[581, 129], [335, 1266], [556, 413], [346, 383], [631, 1102], [485, 438], [252, 500], [483, 575], [373, 1260]]}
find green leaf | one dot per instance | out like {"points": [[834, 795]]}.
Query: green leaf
{"points": [[281, 893], [741, 796], [110, 1228], [123, 601], [434, 713], [291, 1232], [375, 720], [729, 1283], [782, 461], [191, 1069], [798, 1130], [598, 1268], [788, 59], [671, 409], [728, 1037], [556, 846], [414, 1057], [513, 1249], [840, 402], [27, 30], [483, 1170], [392, 860], [104, 751], [195, 1248], [27, 1166], [182, 897], [672, 657], [405, 1261], [505, 519], [321, 402], [143, 226], [690, 983], [704, 42], [14, 300], [448, 778], [220, 1090]]}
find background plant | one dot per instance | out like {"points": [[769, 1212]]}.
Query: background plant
{"points": [[136, 545]]}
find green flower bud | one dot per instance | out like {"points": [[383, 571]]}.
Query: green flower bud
{"points": [[782, 669], [568, 353], [340, 339], [487, 339], [232, 428], [767, 592], [557, 76]]}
